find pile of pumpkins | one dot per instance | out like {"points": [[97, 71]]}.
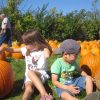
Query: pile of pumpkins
{"points": [[15, 44], [5, 54], [54, 44], [90, 59], [90, 56]]}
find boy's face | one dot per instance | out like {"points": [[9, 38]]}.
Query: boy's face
{"points": [[70, 57]]}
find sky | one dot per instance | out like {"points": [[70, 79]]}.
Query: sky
{"points": [[64, 6]]}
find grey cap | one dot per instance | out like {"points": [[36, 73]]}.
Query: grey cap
{"points": [[69, 46]]}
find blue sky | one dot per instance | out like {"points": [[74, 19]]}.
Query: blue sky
{"points": [[65, 6]]}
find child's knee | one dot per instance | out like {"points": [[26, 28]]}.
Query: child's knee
{"points": [[29, 89], [65, 95]]}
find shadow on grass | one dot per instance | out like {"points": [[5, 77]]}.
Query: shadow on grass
{"points": [[49, 88], [36, 93], [17, 89]]}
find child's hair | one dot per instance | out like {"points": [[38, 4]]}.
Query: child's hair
{"points": [[34, 36]]}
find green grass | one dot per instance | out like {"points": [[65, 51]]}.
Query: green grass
{"points": [[18, 67]]}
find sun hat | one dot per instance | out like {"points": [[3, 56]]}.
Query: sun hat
{"points": [[69, 46]]}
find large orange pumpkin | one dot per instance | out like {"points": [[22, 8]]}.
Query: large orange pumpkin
{"points": [[95, 51], [6, 78], [90, 63]]}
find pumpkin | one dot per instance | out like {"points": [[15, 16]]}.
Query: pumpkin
{"points": [[17, 55], [95, 51], [16, 44], [84, 52], [90, 63], [2, 56], [6, 78]]}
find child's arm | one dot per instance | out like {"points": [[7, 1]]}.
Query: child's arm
{"points": [[1, 49], [46, 53], [72, 88], [17, 50], [83, 73]]}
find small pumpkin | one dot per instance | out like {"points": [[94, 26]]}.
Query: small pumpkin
{"points": [[16, 55]]}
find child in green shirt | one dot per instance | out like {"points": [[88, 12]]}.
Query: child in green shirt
{"points": [[66, 85]]}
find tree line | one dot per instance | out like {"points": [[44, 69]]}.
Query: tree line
{"points": [[79, 25]]}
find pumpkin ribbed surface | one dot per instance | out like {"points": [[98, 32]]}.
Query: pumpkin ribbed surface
{"points": [[6, 78], [17, 55], [90, 63]]}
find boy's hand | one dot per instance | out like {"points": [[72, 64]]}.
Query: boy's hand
{"points": [[73, 89]]}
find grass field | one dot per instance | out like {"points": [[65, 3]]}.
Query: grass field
{"points": [[18, 67]]}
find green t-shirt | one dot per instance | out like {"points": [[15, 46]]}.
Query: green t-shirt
{"points": [[63, 70]]}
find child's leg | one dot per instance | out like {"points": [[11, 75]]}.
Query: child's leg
{"points": [[28, 91], [89, 85], [67, 96], [37, 82]]}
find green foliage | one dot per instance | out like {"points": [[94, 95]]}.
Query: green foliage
{"points": [[83, 25]]}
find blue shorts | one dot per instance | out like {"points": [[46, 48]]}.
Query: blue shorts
{"points": [[79, 82]]}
